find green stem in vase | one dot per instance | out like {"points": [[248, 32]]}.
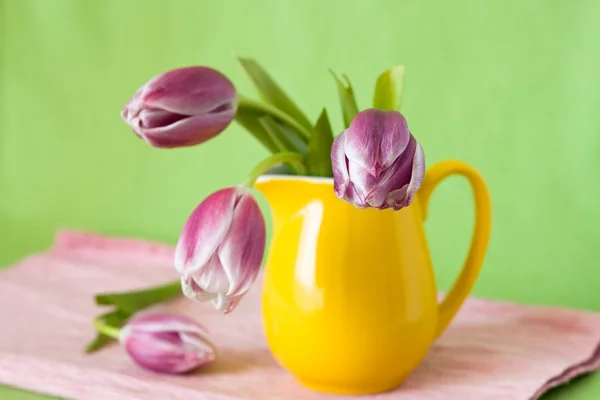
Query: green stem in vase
{"points": [[276, 113], [106, 329], [268, 163]]}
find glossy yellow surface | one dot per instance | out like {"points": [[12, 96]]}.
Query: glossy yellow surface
{"points": [[349, 301]]}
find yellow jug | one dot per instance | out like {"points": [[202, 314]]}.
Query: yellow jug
{"points": [[349, 298]]}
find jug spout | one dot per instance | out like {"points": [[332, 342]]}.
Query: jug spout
{"points": [[287, 194], [267, 186], [270, 188]]}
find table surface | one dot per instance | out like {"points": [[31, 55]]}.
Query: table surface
{"points": [[582, 388], [586, 387]]}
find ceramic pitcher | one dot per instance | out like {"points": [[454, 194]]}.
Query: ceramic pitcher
{"points": [[349, 302]]}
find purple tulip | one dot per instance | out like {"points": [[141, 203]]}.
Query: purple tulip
{"points": [[377, 162], [220, 250], [167, 343], [182, 107]]}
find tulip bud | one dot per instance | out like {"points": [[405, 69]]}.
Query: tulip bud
{"points": [[220, 250], [182, 107], [377, 162], [167, 343]]}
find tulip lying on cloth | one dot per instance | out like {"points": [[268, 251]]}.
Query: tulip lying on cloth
{"points": [[182, 107], [377, 162], [167, 343], [221, 248]]}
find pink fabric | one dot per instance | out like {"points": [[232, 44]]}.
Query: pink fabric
{"points": [[492, 351]]}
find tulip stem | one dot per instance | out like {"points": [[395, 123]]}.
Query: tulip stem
{"points": [[269, 162], [107, 330]]}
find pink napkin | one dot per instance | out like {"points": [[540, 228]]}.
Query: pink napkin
{"points": [[491, 351]]}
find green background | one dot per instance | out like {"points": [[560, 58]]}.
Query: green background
{"points": [[509, 86]]}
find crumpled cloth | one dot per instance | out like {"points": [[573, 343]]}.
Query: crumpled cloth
{"points": [[492, 350]]}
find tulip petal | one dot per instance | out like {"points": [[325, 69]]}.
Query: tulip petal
{"points": [[133, 106], [189, 91], [192, 291], [396, 141], [182, 107], [355, 197], [226, 304], [153, 118], [361, 179], [242, 250], [204, 231], [404, 197], [202, 348], [153, 353], [167, 323], [339, 164], [394, 178], [212, 278], [189, 131], [167, 343], [375, 139]]}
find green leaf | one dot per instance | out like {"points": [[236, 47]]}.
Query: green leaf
{"points": [[318, 155], [131, 302], [388, 89], [282, 139], [277, 134], [263, 109], [250, 120], [271, 92], [347, 100], [99, 342], [115, 318]]}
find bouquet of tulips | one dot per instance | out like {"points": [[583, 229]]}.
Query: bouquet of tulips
{"points": [[375, 162]]}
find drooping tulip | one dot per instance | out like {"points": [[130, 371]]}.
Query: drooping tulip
{"points": [[377, 162], [182, 107], [220, 250], [167, 343]]}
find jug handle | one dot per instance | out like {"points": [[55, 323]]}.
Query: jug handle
{"points": [[481, 233]]}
